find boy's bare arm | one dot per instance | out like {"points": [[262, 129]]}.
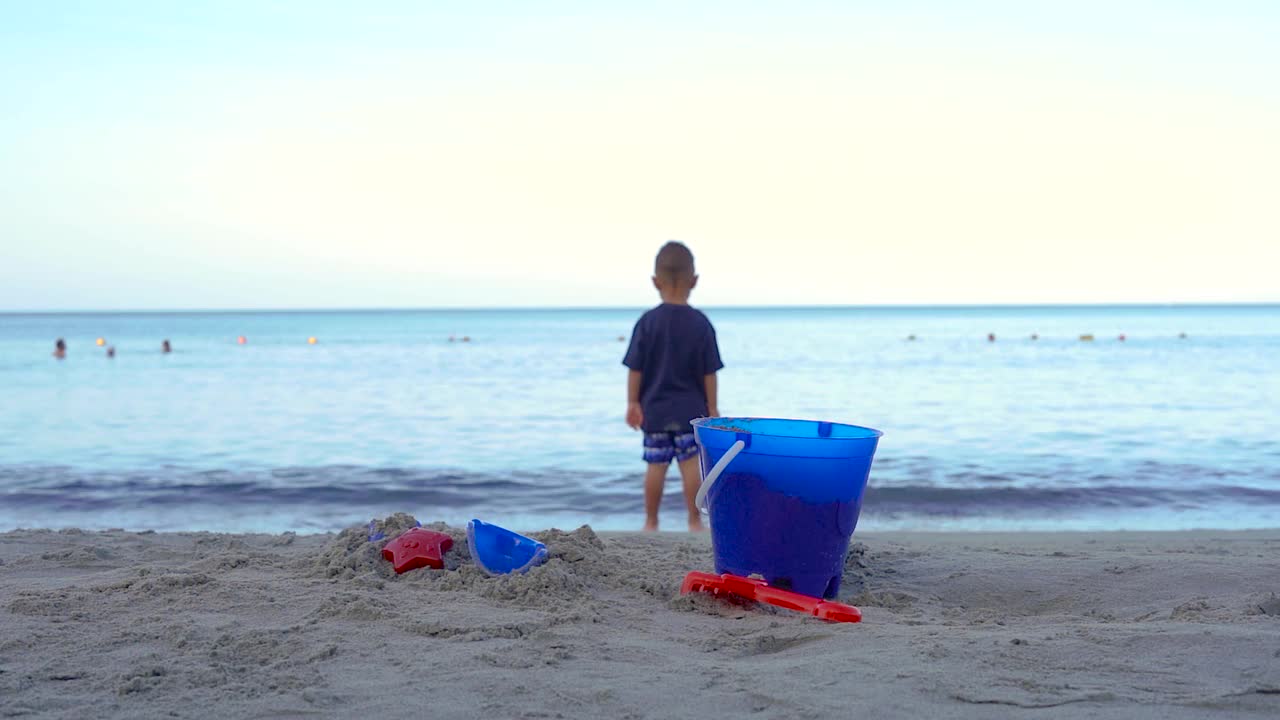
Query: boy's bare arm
{"points": [[635, 416], [713, 405]]}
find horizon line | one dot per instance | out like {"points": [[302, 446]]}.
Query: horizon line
{"points": [[580, 308]]}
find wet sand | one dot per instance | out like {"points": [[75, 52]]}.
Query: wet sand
{"points": [[965, 625]]}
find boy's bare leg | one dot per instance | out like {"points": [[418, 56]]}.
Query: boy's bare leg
{"points": [[655, 477], [692, 476]]}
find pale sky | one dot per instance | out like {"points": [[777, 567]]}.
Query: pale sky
{"points": [[306, 154]]}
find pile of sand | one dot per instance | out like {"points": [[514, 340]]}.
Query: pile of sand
{"points": [[578, 570]]}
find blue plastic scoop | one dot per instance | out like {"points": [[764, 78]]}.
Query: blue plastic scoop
{"points": [[499, 551]]}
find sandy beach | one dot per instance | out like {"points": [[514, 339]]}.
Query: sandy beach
{"points": [[190, 625]]}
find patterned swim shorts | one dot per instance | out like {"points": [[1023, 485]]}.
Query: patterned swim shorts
{"points": [[663, 447]]}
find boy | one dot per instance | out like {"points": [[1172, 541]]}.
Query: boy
{"points": [[672, 361]]}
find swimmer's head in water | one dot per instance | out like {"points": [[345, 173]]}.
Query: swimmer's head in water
{"points": [[673, 268], [165, 347], [61, 344]]}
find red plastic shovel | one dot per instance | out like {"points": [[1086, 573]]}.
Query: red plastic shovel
{"points": [[760, 591]]}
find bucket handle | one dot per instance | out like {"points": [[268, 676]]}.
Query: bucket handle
{"points": [[700, 499]]}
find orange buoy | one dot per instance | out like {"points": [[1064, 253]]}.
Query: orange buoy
{"points": [[242, 340], [1086, 338], [311, 340], [101, 342]]}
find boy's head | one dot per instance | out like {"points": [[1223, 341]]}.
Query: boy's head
{"points": [[673, 272]]}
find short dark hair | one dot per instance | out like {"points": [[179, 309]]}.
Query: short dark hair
{"points": [[674, 263]]}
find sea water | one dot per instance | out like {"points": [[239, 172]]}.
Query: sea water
{"points": [[523, 424]]}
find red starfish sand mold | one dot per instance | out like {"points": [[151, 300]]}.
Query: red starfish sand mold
{"points": [[417, 548]]}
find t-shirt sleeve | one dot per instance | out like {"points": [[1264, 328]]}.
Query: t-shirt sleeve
{"points": [[711, 353], [634, 358]]}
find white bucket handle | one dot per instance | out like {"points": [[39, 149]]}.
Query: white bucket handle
{"points": [[700, 499]]}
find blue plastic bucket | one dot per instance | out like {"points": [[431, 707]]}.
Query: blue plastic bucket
{"points": [[784, 497]]}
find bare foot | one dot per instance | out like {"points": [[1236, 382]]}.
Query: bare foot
{"points": [[696, 526], [650, 526]]}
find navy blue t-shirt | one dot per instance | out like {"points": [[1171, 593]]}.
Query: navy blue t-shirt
{"points": [[674, 348]]}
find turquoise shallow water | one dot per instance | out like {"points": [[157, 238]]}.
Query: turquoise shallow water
{"points": [[523, 425]]}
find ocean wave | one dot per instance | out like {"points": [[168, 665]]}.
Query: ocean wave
{"points": [[64, 489]]}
